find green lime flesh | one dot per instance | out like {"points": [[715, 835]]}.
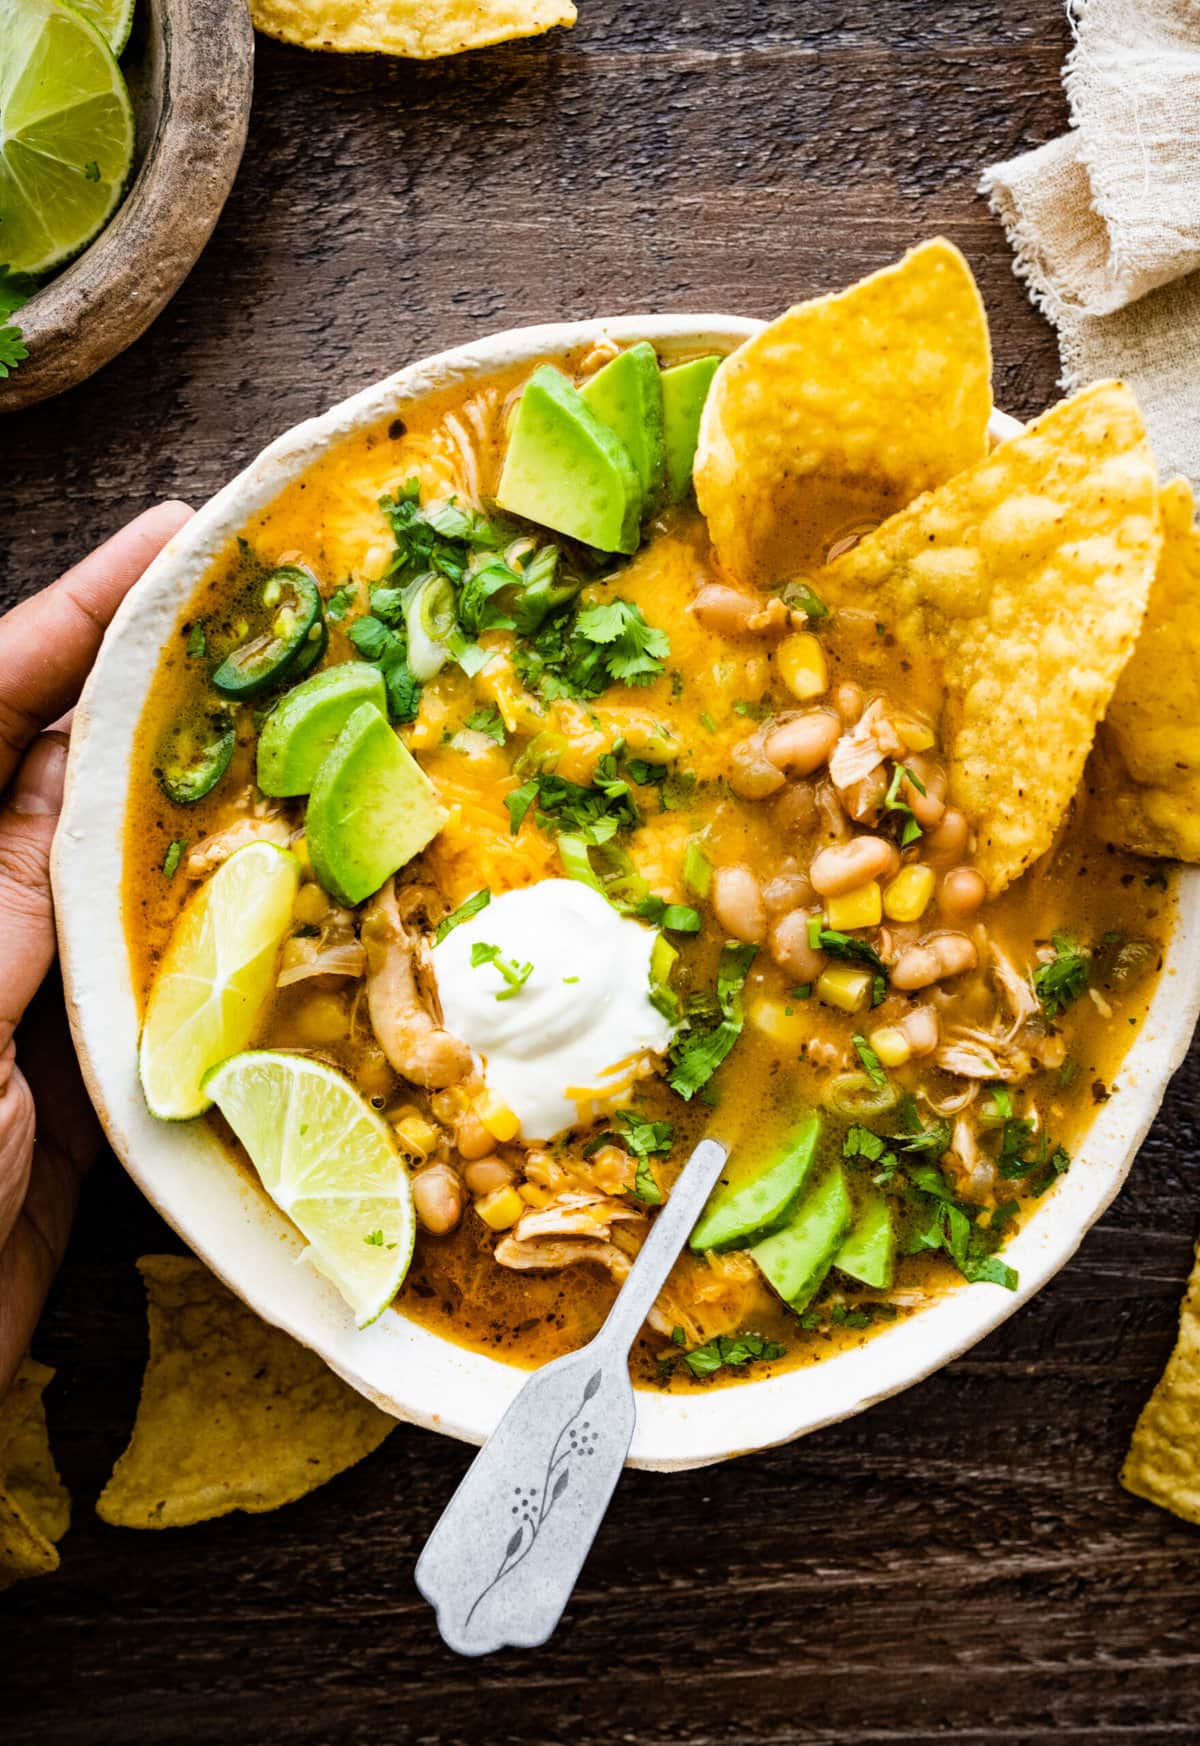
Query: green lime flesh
{"points": [[330, 1163], [66, 134]]}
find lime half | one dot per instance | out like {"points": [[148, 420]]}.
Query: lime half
{"points": [[112, 18], [330, 1163], [66, 133], [216, 977]]}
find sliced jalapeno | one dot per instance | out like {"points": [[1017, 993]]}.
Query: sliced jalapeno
{"points": [[312, 653], [194, 758], [292, 599]]}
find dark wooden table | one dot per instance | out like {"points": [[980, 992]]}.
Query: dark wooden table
{"points": [[959, 1564]]}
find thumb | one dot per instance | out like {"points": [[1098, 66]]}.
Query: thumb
{"points": [[27, 824]]}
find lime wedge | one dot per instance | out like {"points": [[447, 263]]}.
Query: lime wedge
{"points": [[216, 977], [330, 1163], [66, 133], [112, 18]]}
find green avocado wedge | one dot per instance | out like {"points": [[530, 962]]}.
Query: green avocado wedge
{"points": [[869, 1252], [627, 396], [796, 1259], [371, 809], [566, 470], [684, 391], [300, 731], [738, 1215]]}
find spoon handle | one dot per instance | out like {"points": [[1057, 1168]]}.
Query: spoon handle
{"points": [[501, 1564]]}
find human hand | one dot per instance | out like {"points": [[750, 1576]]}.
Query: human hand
{"points": [[48, 1132]]}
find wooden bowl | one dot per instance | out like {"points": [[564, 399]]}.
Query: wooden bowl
{"points": [[190, 68]]}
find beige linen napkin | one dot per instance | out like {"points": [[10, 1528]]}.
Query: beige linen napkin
{"points": [[1105, 221]]}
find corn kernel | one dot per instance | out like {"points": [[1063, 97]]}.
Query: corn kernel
{"points": [[300, 849], [500, 1121], [787, 1029], [311, 906], [801, 663], [415, 1135], [907, 897], [845, 987], [891, 1045], [500, 1209], [916, 736], [860, 908], [534, 1195]]}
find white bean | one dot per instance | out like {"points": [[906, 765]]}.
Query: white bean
{"points": [[934, 960], [802, 744], [738, 903], [791, 950], [846, 866]]}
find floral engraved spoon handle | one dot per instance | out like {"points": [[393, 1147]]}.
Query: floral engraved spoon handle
{"points": [[501, 1564]]}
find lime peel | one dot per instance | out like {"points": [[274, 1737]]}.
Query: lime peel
{"points": [[330, 1163]]}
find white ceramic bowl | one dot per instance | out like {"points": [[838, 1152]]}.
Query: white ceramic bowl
{"points": [[235, 1228]]}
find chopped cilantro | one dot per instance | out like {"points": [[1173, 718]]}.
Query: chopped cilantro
{"points": [[173, 857], [593, 814], [677, 917], [464, 912], [729, 1352], [752, 711], [840, 945], [197, 642], [341, 601], [696, 1054], [636, 650], [579, 653], [892, 802], [707, 722], [515, 975], [13, 349], [374, 1238], [1062, 981], [872, 1065], [806, 600], [488, 721]]}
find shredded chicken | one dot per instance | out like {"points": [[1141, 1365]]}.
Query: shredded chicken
{"points": [[549, 1256], [210, 852], [402, 999], [977, 1055], [705, 1298], [576, 1215], [865, 746], [1022, 1001]]}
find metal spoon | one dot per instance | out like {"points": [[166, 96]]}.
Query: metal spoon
{"points": [[501, 1564]]}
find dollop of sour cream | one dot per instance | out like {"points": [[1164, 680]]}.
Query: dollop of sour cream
{"points": [[582, 1013]]}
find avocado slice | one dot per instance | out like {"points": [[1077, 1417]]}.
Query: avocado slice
{"points": [[566, 470], [739, 1215], [372, 808], [299, 733], [869, 1252], [796, 1259], [627, 396], [684, 391]]}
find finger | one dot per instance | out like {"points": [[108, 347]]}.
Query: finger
{"points": [[48, 643], [29, 1260], [27, 824], [17, 1124]]}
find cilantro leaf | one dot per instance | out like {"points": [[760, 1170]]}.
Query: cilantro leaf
{"points": [[1061, 982], [636, 651], [488, 721], [696, 1054], [592, 814], [341, 601], [872, 1065], [729, 1351], [846, 946], [13, 349], [580, 653], [470, 907]]}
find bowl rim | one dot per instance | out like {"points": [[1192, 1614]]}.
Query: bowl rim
{"points": [[417, 1375]]}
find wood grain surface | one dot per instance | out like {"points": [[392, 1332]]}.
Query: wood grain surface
{"points": [[958, 1564]]}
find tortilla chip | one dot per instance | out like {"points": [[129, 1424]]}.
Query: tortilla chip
{"points": [[35, 1509], [1025, 579], [842, 411], [418, 29], [1146, 767], [1163, 1463], [234, 1414]]}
